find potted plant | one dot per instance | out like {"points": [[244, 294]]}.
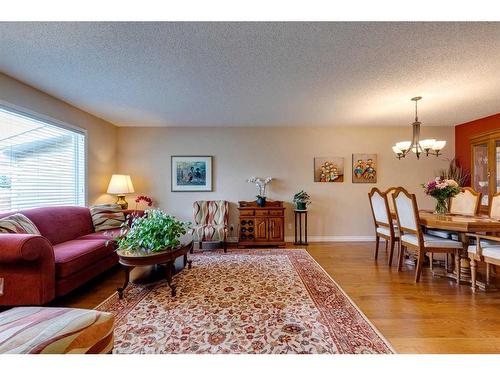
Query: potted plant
{"points": [[442, 190], [151, 233], [301, 200], [261, 188]]}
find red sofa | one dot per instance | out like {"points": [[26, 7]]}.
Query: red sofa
{"points": [[36, 269]]}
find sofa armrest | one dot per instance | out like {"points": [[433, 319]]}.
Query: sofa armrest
{"points": [[24, 247]]}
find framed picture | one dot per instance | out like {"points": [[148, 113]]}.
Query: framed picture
{"points": [[191, 173], [329, 169], [364, 168]]}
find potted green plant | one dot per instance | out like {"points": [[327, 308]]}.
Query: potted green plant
{"points": [[151, 233], [301, 200]]}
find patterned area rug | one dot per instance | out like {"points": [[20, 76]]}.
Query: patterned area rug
{"points": [[245, 301]]}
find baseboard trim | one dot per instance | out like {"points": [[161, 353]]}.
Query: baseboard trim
{"points": [[323, 239]]}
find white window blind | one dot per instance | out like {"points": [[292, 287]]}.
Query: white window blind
{"points": [[40, 164]]}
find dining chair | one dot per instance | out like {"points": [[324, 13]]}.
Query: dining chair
{"points": [[467, 202], [412, 236], [494, 211], [487, 250], [384, 226]]}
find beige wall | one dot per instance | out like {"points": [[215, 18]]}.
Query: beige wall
{"points": [[101, 134], [340, 211]]}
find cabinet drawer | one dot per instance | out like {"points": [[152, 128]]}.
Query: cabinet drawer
{"points": [[247, 212], [262, 213], [275, 212]]}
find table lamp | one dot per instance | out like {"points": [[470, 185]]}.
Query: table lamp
{"points": [[120, 185]]}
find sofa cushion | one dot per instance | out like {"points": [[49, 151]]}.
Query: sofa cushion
{"points": [[107, 216], [19, 224], [55, 330], [60, 224], [72, 256], [104, 235]]}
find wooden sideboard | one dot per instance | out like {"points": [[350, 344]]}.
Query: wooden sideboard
{"points": [[261, 226]]}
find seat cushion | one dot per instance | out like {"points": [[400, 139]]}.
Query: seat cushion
{"points": [[209, 232], [387, 232], [432, 241], [55, 330], [439, 233], [72, 256], [492, 252], [104, 235], [489, 249]]}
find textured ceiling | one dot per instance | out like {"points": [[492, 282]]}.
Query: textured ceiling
{"points": [[261, 74]]}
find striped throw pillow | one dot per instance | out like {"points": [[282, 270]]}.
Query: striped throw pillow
{"points": [[107, 216], [18, 223]]}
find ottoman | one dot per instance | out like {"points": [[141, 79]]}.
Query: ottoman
{"points": [[55, 330]]}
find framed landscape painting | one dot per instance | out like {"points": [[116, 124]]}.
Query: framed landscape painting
{"points": [[364, 168], [329, 169], [191, 173]]}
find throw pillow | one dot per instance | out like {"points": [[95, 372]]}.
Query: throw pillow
{"points": [[107, 216], [18, 223]]}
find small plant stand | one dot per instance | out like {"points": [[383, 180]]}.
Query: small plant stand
{"points": [[298, 227]]}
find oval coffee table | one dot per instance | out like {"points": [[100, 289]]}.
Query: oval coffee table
{"points": [[166, 258]]}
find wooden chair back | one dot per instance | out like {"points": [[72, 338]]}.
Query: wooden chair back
{"points": [[467, 202], [495, 206], [389, 192], [380, 209], [407, 216]]}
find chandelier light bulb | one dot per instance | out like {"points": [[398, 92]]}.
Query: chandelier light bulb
{"points": [[439, 145], [427, 144], [396, 150], [403, 146]]}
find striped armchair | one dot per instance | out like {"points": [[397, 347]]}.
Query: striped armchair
{"points": [[211, 221]]}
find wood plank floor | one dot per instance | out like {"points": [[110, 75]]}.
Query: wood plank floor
{"points": [[434, 316]]}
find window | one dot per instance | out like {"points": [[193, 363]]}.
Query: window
{"points": [[40, 164]]}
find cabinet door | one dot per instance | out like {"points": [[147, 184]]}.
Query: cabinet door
{"points": [[261, 229], [480, 171], [276, 229]]}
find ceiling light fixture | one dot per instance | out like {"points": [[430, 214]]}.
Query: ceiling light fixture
{"points": [[427, 146]]}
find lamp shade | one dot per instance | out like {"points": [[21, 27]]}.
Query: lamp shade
{"points": [[120, 184]]}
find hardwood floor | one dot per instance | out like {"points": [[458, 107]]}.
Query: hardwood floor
{"points": [[434, 316]]}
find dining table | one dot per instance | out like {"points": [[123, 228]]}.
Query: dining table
{"points": [[461, 224]]}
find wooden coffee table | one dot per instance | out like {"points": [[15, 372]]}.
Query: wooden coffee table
{"points": [[166, 258]]}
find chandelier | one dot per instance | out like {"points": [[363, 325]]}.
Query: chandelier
{"points": [[427, 146]]}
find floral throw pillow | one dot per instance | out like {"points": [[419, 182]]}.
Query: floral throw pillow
{"points": [[107, 216], [18, 223]]}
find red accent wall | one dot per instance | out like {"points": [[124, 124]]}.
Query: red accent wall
{"points": [[464, 132]]}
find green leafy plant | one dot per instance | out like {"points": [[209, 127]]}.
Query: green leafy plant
{"points": [[152, 232], [302, 199]]}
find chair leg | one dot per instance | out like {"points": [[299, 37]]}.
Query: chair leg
{"points": [[224, 246], [457, 266], [400, 255], [431, 260], [473, 271], [386, 244], [391, 251], [488, 273], [377, 243], [420, 262]]}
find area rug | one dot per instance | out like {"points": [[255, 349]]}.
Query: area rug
{"points": [[245, 301]]}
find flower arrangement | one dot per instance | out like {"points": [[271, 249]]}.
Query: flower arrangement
{"points": [[261, 188], [153, 232], [301, 200], [143, 198], [442, 190]]}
